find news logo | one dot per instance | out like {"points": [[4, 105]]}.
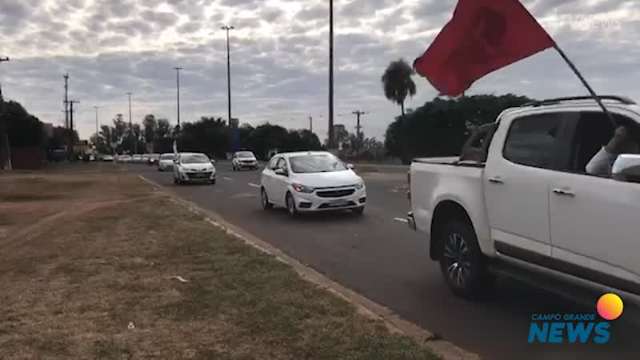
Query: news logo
{"points": [[577, 328]]}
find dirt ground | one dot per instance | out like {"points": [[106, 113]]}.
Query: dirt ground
{"points": [[96, 265]]}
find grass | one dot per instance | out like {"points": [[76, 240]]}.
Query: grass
{"points": [[103, 286]]}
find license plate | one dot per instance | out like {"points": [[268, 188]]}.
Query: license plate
{"points": [[339, 203]]}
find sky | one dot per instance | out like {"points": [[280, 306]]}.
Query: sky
{"points": [[279, 55]]}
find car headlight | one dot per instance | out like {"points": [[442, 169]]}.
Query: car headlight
{"points": [[359, 185], [302, 188]]}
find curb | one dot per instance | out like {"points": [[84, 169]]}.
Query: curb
{"points": [[364, 306]]}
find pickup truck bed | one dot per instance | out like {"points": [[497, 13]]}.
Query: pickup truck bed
{"points": [[444, 181]]}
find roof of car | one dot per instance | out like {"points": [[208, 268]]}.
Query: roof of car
{"points": [[190, 153], [302, 153]]}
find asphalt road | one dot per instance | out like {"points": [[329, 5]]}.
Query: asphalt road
{"points": [[381, 258]]}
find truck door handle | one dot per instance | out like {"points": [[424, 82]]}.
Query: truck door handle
{"points": [[496, 180], [564, 192]]}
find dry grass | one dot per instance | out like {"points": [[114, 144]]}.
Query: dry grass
{"points": [[98, 281]]}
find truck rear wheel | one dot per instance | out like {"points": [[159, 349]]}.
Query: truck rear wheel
{"points": [[461, 261]]}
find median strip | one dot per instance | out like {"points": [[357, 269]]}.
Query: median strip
{"points": [[158, 281], [254, 185]]}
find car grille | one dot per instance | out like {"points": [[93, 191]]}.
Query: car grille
{"points": [[335, 193]]}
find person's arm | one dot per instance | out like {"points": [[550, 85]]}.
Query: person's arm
{"points": [[601, 163]]}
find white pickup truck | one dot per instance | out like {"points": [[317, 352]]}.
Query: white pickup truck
{"points": [[519, 198]]}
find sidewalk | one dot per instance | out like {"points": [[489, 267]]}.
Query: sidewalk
{"points": [[99, 265]]}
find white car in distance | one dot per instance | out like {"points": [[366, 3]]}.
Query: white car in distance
{"points": [[165, 162], [244, 160], [310, 182], [193, 167]]}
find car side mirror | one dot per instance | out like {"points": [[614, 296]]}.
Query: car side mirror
{"points": [[350, 166], [281, 172], [627, 168]]}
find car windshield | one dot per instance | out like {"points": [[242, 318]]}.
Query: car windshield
{"points": [[166, 157], [245, 154], [316, 164], [194, 159]]}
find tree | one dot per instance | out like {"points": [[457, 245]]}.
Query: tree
{"points": [[150, 128], [209, 135], [397, 82], [163, 142], [440, 127]]}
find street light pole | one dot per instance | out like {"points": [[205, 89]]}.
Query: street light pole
{"points": [[178, 91], [331, 132], [227, 28], [5, 148]]}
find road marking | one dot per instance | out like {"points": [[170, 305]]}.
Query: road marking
{"points": [[228, 178], [244, 196], [254, 185], [401, 220]]}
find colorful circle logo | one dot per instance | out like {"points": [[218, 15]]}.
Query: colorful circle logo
{"points": [[610, 306]]}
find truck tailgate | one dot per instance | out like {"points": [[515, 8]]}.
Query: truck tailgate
{"points": [[436, 180]]}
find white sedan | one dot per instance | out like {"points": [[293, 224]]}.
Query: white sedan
{"points": [[166, 161], [193, 167], [311, 181]]}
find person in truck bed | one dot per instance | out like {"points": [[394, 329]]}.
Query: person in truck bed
{"points": [[625, 141]]}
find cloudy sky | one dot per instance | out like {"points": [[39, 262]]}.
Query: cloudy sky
{"points": [[279, 56]]}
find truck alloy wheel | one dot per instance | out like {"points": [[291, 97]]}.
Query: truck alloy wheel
{"points": [[461, 260]]}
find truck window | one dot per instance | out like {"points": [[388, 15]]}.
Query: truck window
{"points": [[534, 140], [593, 131]]}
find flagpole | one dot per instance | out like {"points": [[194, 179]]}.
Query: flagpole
{"points": [[585, 83]]}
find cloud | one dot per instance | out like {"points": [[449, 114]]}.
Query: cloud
{"points": [[279, 55]]}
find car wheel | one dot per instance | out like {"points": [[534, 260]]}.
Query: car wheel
{"points": [[212, 182], [358, 211], [264, 199], [176, 180], [461, 261], [291, 205]]}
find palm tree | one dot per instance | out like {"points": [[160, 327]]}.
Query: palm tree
{"points": [[397, 82]]}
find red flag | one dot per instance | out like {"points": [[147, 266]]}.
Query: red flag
{"points": [[483, 36]]}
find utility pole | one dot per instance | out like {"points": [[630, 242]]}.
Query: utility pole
{"points": [[72, 139], [5, 147], [97, 123], [311, 123], [66, 100], [331, 140], [135, 140], [178, 91], [358, 114]]}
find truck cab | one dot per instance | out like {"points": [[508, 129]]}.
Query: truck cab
{"points": [[520, 196]]}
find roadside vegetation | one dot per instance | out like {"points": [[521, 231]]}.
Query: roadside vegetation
{"points": [[114, 270]]}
